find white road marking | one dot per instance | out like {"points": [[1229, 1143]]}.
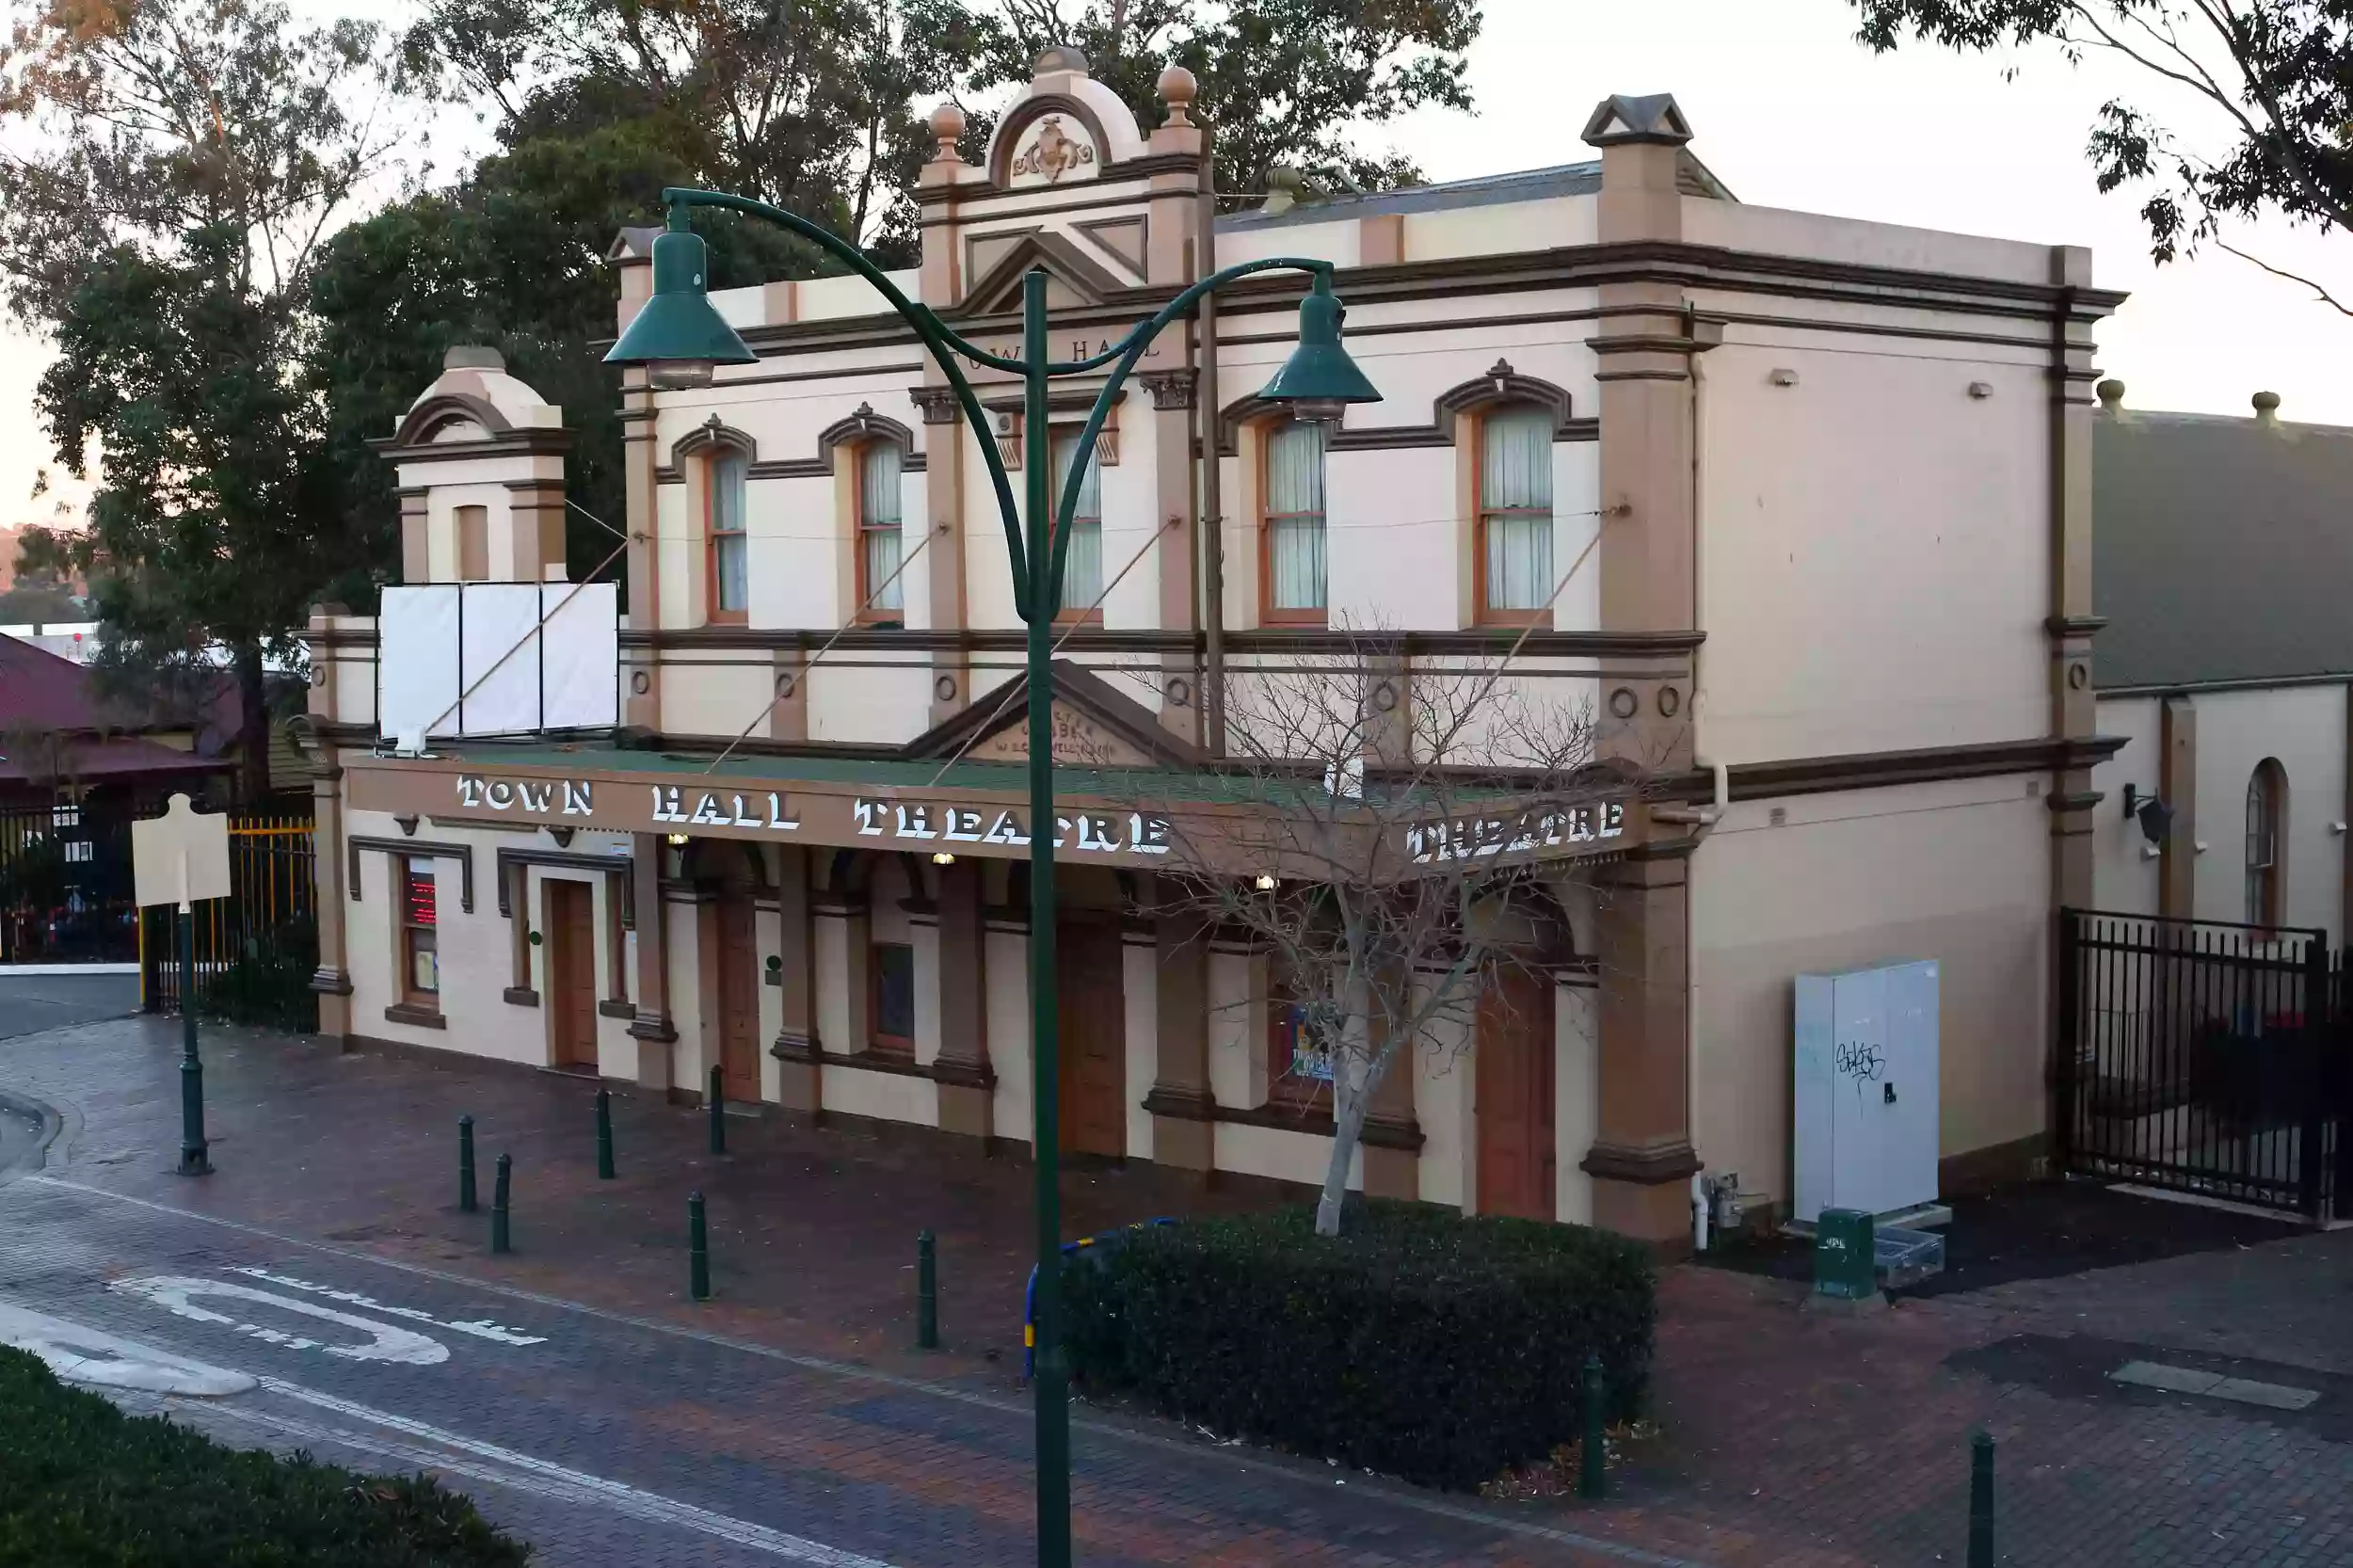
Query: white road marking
{"points": [[526, 1473], [480, 1328], [81, 1355], [176, 1293]]}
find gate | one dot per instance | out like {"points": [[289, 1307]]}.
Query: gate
{"points": [[65, 884], [255, 950], [2204, 1057]]}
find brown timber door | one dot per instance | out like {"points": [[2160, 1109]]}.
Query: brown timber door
{"points": [[1094, 1039], [573, 973], [1516, 1159], [739, 999]]}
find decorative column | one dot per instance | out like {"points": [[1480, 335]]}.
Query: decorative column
{"points": [[1392, 1137], [641, 676], [1183, 1133], [332, 979], [1173, 260], [651, 1028], [1642, 1157], [2177, 785], [799, 1081], [941, 286], [967, 1085]]}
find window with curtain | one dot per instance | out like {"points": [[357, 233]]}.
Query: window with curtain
{"points": [[1082, 573], [1294, 521], [881, 592], [731, 584], [1299, 1058], [1515, 510], [2266, 793]]}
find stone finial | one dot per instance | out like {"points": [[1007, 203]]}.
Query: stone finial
{"points": [[2266, 407], [1178, 87], [947, 124], [1285, 185], [1059, 57], [475, 357], [2110, 394]]}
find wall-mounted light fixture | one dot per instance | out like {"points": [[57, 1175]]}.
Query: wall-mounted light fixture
{"points": [[2154, 816], [1264, 882], [944, 858], [677, 840]]}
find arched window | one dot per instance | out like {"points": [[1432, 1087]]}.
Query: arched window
{"points": [[881, 543], [1083, 568], [1514, 514], [1292, 556], [730, 586], [2266, 818]]}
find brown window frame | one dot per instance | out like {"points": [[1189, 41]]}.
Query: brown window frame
{"points": [[869, 614], [1064, 617], [1483, 613], [712, 614], [1269, 614], [900, 1046], [2266, 819], [406, 947]]}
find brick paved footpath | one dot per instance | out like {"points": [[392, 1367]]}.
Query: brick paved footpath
{"points": [[792, 1409]]}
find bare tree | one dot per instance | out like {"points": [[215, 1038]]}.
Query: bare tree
{"points": [[1397, 841]]}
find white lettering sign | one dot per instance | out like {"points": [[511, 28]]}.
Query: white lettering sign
{"points": [[1477, 838]]}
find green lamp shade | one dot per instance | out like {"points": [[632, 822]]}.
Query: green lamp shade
{"points": [[677, 334], [1319, 377]]}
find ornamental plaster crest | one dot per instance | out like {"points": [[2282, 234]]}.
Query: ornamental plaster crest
{"points": [[1048, 151]]}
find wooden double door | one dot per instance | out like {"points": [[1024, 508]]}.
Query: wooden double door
{"points": [[1091, 1010], [1518, 1165], [738, 996]]}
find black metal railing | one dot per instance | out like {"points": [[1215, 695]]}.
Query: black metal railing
{"points": [[2204, 1057]]}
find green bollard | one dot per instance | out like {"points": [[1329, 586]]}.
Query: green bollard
{"points": [[604, 1135], [1981, 1500], [501, 1240], [698, 1249], [1593, 1475], [467, 1203], [926, 1291], [717, 1100]]}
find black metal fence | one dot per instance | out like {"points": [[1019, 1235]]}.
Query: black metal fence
{"points": [[65, 884], [255, 950], [2204, 1057]]}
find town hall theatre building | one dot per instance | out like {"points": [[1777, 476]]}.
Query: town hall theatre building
{"points": [[1798, 507]]}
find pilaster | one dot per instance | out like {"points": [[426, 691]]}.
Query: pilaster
{"points": [[1642, 1158], [651, 1028], [799, 1081], [2177, 785], [967, 1082], [1183, 1133]]}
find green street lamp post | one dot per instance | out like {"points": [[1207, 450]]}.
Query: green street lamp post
{"points": [[679, 337]]}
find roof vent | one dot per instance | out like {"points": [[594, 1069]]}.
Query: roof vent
{"points": [[2266, 407]]}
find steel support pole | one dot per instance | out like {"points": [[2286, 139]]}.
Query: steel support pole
{"points": [[194, 1153], [1050, 1381]]}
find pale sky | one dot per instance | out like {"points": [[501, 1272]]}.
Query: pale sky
{"points": [[1790, 112]]}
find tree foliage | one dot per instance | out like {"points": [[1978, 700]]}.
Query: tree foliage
{"points": [[2276, 77], [188, 158]]}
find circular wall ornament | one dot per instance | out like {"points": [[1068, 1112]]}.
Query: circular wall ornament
{"points": [[534, 938], [1670, 701], [2079, 676], [640, 683], [944, 689], [1179, 692], [1384, 697], [318, 674], [1623, 703], [786, 687]]}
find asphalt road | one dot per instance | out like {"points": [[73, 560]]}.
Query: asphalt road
{"points": [[32, 1002]]}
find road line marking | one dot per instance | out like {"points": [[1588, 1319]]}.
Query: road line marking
{"points": [[126, 1363], [480, 1328], [176, 1293], [560, 1481], [1265, 1466]]}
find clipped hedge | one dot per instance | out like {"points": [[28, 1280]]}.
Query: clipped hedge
{"points": [[84, 1485], [1416, 1343]]}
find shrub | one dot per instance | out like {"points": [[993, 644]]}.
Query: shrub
{"points": [[84, 1485], [1415, 1343]]}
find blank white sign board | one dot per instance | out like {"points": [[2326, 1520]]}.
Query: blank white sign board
{"points": [[180, 857]]}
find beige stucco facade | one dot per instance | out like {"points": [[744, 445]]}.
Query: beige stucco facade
{"points": [[1821, 540]]}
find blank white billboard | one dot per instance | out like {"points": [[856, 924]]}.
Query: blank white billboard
{"points": [[498, 658]]}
